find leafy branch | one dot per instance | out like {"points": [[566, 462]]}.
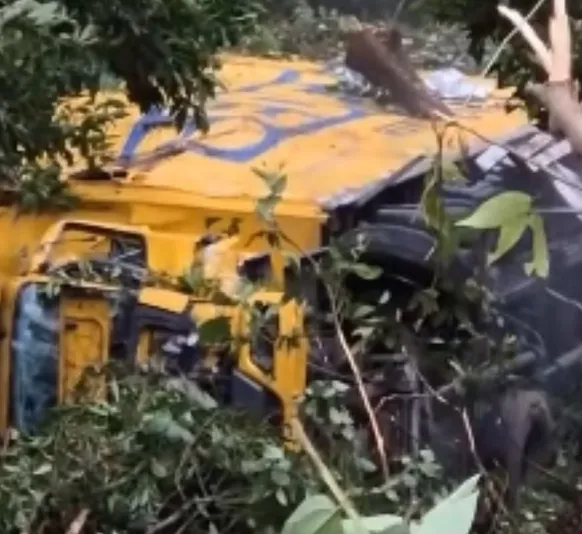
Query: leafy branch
{"points": [[54, 111], [511, 212]]}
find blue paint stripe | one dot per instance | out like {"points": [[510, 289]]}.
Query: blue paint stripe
{"points": [[272, 136], [287, 76], [268, 108], [154, 117]]}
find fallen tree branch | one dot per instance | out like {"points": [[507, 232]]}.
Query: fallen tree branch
{"points": [[528, 33], [380, 58], [324, 472], [376, 431], [78, 523], [558, 95]]}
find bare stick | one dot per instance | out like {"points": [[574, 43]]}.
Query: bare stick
{"points": [[79, 522], [522, 26], [378, 438], [503, 44], [565, 111], [380, 444], [324, 472]]}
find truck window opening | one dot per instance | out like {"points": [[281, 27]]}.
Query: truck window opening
{"points": [[35, 357]]}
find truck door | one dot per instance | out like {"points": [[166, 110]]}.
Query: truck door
{"points": [[84, 339], [30, 355], [48, 339]]}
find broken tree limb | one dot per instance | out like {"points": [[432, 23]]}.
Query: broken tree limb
{"points": [[565, 112], [380, 58], [558, 94], [528, 33]]}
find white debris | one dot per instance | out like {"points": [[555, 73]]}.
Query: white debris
{"points": [[452, 84]]}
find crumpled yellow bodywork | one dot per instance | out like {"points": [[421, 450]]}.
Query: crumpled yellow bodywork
{"points": [[286, 113], [273, 114]]}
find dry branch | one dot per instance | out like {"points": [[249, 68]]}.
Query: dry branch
{"points": [[558, 94], [79, 522], [380, 58]]}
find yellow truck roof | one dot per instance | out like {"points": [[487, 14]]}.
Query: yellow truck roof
{"points": [[282, 113]]}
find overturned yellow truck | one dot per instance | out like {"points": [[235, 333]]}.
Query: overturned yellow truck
{"points": [[171, 198]]}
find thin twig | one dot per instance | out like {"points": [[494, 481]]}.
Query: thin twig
{"points": [[79, 522], [470, 438], [325, 474], [499, 50], [399, 8], [541, 51], [172, 518], [362, 391], [352, 363]]}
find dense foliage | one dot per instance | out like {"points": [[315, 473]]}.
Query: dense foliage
{"points": [[158, 455], [516, 66], [160, 53]]}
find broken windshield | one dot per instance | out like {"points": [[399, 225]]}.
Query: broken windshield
{"points": [[35, 346]]}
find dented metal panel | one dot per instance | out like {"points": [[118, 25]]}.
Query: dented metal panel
{"points": [[290, 114]]}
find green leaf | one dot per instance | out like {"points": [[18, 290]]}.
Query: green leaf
{"points": [[385, 298], [280, 478], [317, 514], [158, 469], [365, 272], [541, 261], [340, 387], [509, 234], [498, 210], [466, 489], [366, 465], [364, 332], [193, 393], [215, 330], [266, 206], [453, 515], [193, 278], [162, 423], [375, 524], [42, 14], [43, 469], [273, 453], [281, 496], [278, 185], [363, 311], [339, 417]]}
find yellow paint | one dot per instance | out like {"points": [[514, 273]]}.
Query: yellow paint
{"points": [[84, 332], [172, 204], [182, 193], [351, 153], [163, 298], [84, 341], [82, 335]]}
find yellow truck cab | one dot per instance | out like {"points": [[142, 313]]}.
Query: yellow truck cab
{"points": [[273, 114], [66, 312], [175, 190]]}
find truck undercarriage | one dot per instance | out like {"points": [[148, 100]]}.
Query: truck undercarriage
{"points": [[541, 315]]}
